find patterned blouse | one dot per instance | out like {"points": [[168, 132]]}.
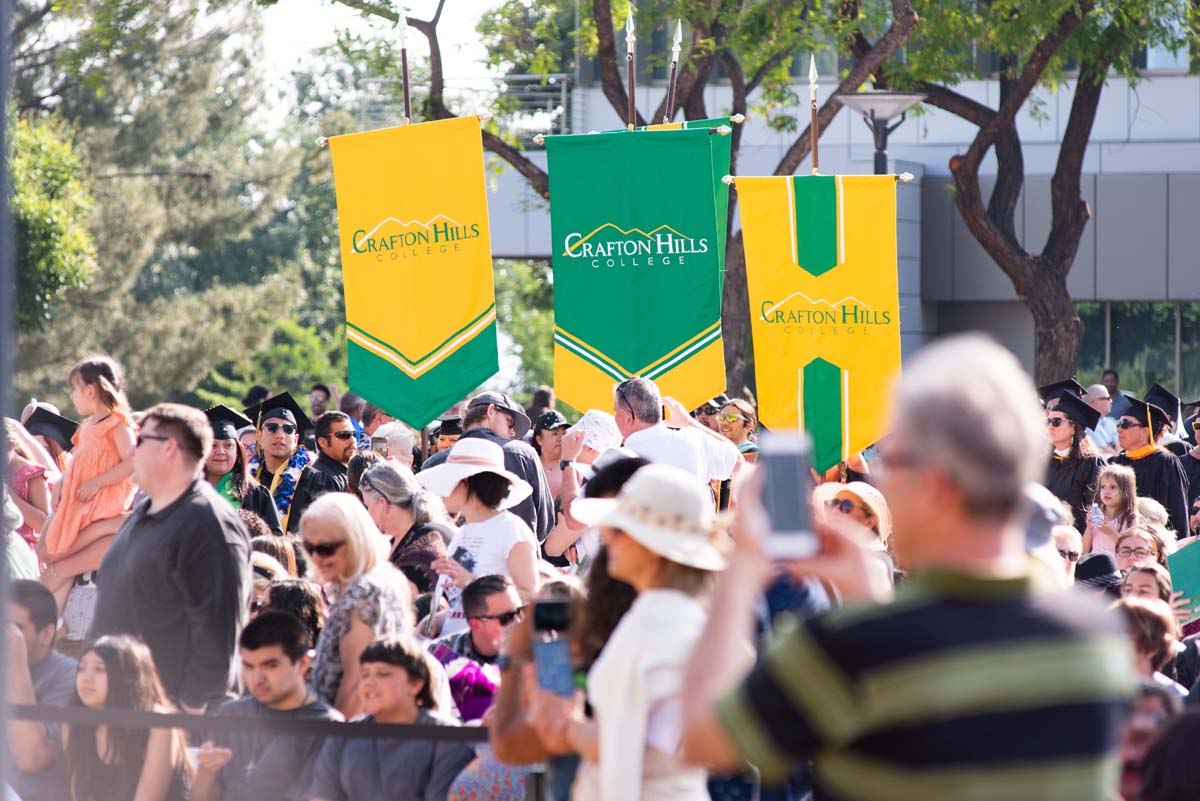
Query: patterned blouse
{"points": [[380, 599]]}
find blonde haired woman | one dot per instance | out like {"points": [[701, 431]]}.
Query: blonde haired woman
{"points": [[368, 597], [660, 536]]}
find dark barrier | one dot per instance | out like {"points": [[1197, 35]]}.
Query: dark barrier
{"points": [[128, 719]]}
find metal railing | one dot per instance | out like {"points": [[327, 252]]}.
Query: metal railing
{"points": [[522, 105]]}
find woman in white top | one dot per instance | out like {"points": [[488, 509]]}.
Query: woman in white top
{"points": [[476, 486], [660, 535]]}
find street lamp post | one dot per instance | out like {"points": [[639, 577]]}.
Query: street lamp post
{"points": [[877, 109]]}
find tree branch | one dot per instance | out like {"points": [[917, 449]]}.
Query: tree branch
{"points": [[904, 19], [960, 105], [25, 23], [610, 77]]}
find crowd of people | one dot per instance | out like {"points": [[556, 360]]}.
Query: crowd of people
{"points": [[990, 610]]}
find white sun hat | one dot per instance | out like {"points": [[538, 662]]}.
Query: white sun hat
{"points": [[599, 429], [665, 509], [871, 497], [469, 457]]}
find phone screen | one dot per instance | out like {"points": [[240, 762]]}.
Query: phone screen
{"points": [[551, 616], [552, 658], [380, 446], [784, 462]]}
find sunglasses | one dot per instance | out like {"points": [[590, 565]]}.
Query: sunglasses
{"points": [[274, 428], [322, 549], [342, 435], [1055, 422], [1140, 553], [844, 506], [731, 418], [707, 410], [505, 618], [1070, 556], [1123, 424], [154, 437], [257, 606]]}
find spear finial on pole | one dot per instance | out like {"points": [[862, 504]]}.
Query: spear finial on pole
{"points": [[812, 94], [630, 43], [402, 21], [674, 71]]}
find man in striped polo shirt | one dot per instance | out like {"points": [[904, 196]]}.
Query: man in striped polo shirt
{"points": [[978, 680]]}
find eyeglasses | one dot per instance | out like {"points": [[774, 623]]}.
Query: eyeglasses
{"points": [[1070, 556], [731, 418], [1055, 422], [155, 437], [322, 549], [845, 506], [342, 435], [1123, 424], [274, 428], [505, 618], [621, 397], [898, 460], [1140, 553]]}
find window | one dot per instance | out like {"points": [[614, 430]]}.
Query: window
{"points": [[1144, 343]]}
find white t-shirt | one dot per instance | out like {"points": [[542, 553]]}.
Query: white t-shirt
{"points": [[708, 458], [483, 549]]}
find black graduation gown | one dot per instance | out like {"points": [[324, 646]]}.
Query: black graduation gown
{"points": [[1074, 481], [259, 501], [1160, 476], [1178, 447], [1191, 469]]}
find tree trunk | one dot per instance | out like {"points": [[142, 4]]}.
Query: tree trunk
{"points": [[735, 313], [1057, 327]]}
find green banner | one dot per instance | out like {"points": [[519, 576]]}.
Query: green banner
{"points": [[637, 256]]}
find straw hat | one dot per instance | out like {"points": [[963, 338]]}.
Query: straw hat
{"points": [[666, 510], [871, 498], [470, 457]]}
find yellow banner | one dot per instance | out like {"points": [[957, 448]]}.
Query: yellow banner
{"points": [[416, 265], [824, 305]]}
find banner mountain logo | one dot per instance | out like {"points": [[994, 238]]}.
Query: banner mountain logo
{"points": [[610, 245], [849, 311], [439, 234]]}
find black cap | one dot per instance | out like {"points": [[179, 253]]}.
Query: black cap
{"points": [[1163, 399], [550, 420], [1098, 571], [226, 422], [282, 407], [502, 401], [451, 426], [45, 423], [1147, 414], [1077, 411], [1051, 391]]}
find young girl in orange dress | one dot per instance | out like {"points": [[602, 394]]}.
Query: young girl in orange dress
{"points": [[93, 498]]}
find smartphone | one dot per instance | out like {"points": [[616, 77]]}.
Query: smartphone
{"points": [[380, 446], [783, 458], [552, 658], [552, 616]]}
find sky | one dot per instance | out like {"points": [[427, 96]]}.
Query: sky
{"points": [[295, 28]]}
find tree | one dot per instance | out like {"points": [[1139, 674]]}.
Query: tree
{"points": [[524, 304], [754, 41], [1034, 45], [51, 201]]}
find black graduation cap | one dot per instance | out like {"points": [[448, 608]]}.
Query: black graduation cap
{"points": [[451, 426], [1147, 414], [282, 407], [45, 423], [1163, 399], [226, 422], [1051, 391], [1077, 411]]}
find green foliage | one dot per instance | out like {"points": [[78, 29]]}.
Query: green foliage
{"points": [[296, 357], [50, 204], [525, 310]]}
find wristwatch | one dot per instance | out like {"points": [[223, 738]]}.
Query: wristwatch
{"points": [[564, 464]]}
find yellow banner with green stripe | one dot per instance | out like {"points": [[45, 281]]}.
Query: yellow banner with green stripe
{"points": [[824, 305], [416, 265]]}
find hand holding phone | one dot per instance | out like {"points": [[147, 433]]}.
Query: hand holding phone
{"points": [[380, 446], [783, 458]]}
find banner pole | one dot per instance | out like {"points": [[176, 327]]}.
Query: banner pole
{"points": [[402, 21], [630, 43], [674, 71], [812, 127]]}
